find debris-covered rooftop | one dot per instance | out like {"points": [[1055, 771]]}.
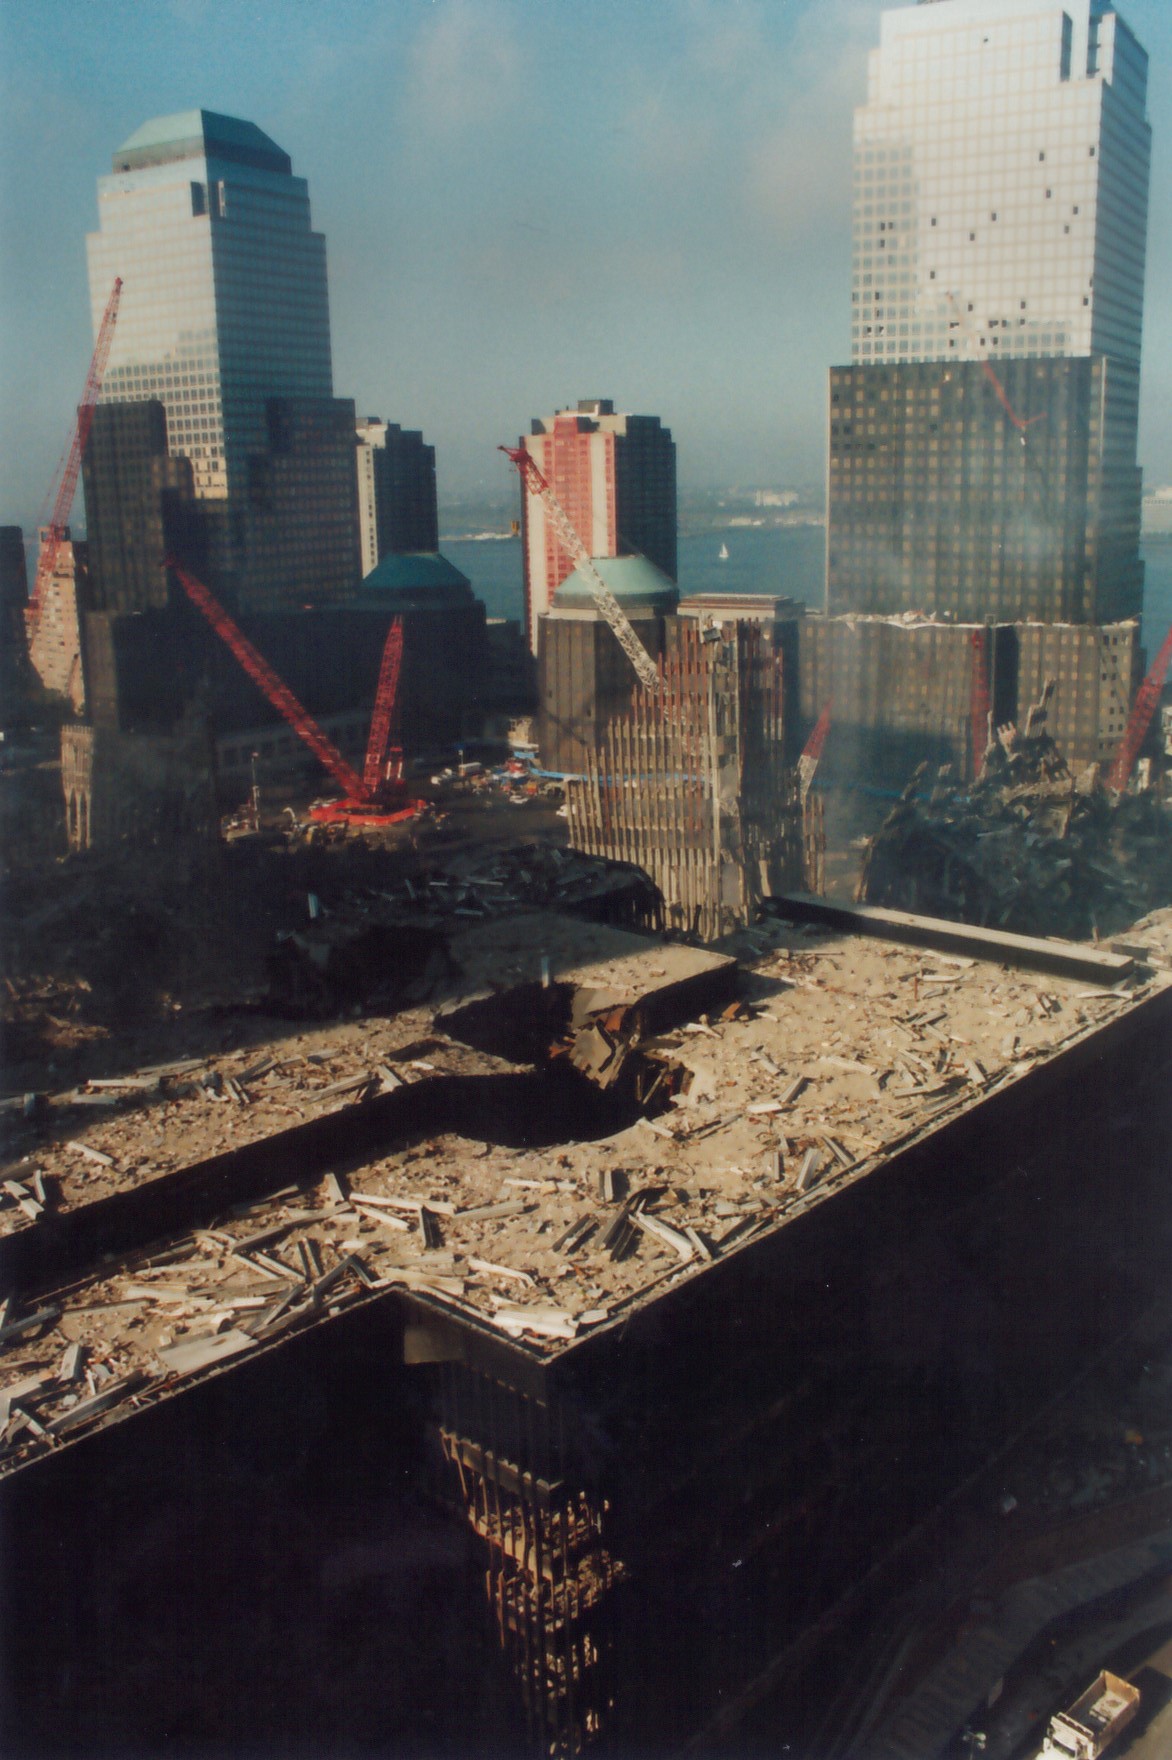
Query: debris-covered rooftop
{"points": [[732, 1097]]}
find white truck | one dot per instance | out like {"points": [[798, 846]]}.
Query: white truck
{"points": [[1091, 1724]]}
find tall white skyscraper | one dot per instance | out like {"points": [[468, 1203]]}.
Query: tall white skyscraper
{"points": [[1001, 184], [982, 460], [224, 300], [982, 466]]}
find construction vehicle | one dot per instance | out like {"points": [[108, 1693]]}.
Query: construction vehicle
{"points": [[1142, 710], [537, 484], [1092, 1723], [53, 533], [379, 795]]}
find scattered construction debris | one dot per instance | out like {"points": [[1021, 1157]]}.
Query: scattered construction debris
{"points": [[1027, 847], [98, 949], [762, 1111]]}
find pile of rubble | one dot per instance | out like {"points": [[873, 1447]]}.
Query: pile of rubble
{"points": [[385, 945], [1027, 847], [539, 875], [100, 944]]}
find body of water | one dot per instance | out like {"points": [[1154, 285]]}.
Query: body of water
{"points": [[789, 560]]}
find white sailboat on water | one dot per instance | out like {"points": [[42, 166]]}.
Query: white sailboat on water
{"points": [[722, 554]]}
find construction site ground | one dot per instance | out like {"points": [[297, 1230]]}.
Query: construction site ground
{"points": [[140, 1038], [108, 956]]}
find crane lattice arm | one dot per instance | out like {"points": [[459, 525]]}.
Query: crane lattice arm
{"points": [[386, 706], [812, 751], [67, 487], [274, 688], [535, 482], [1142, 711], [1021, 423]]}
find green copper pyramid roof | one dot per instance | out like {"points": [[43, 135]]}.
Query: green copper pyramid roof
{"points": [[632, 579], [190, 134], [419, 579]]}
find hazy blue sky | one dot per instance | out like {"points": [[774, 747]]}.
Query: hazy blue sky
{"points": [[524, 201]]}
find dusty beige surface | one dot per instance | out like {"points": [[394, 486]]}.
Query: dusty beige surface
{"points": [[840, 1048]]}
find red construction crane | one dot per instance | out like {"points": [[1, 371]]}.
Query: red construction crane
{"points": [[378, 796], [537, 484], [1021, 423], [54, 533], [812, 750], [384, 754], [979, 700], [1146, 698]]}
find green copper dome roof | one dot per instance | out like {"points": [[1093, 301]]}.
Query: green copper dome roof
{"points": [[417, 579], [192, 134], [632, 579]]}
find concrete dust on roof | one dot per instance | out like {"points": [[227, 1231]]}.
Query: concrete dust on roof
{"points": [[836, 1049]]}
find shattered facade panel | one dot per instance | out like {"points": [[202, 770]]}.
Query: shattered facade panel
{"points": [[693, 784], [55, 642], [901, 692], [1096, 672]]}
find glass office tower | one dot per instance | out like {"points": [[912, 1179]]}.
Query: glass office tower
{"points": [[1001, 168], [224, 301], [1001, 184]]}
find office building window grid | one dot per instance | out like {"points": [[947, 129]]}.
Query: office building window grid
{"points": [[224, 302], [1000, 186]]}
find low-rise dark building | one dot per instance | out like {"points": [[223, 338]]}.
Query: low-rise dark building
{"points": [[584, 680], [140, 505], [144, 671]]}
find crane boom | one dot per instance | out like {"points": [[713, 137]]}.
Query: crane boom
{"points": [[1146, 698], [274, 688], [812, 750], [613, 613], [66, 489], [386, 705], [1021, 423]]}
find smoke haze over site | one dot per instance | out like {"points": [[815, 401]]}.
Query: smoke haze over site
{"points": [[522, 205]]}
